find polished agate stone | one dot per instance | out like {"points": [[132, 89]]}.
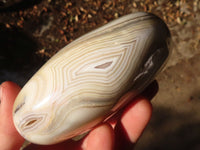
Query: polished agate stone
{"points": [[82, 85]]}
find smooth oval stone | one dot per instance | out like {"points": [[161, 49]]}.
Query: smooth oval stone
{"points": [[83, 83]]}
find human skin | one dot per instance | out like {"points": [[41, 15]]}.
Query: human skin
{"points": [[120, 132]]}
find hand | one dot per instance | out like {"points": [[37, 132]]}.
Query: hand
{"points": [[120, 132]]}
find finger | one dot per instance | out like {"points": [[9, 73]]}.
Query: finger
{"points": [[149, 92], [133, 122], [101, 138], [10, 137], [9, 91], [136, 117]]}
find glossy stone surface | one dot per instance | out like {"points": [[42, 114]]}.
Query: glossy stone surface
{"points": [[82, 84]]}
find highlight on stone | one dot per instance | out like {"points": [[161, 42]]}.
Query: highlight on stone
{"points": [[82, 84]]}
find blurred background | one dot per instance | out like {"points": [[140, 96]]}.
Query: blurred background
{"points": [[31, 31]]}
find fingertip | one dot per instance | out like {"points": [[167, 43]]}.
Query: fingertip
{"points": [[136, 117], [8, 86], [102, 137], [11, 139], [8, 93]]}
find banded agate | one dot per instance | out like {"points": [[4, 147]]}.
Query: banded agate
{"points": [[82, 84]]}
